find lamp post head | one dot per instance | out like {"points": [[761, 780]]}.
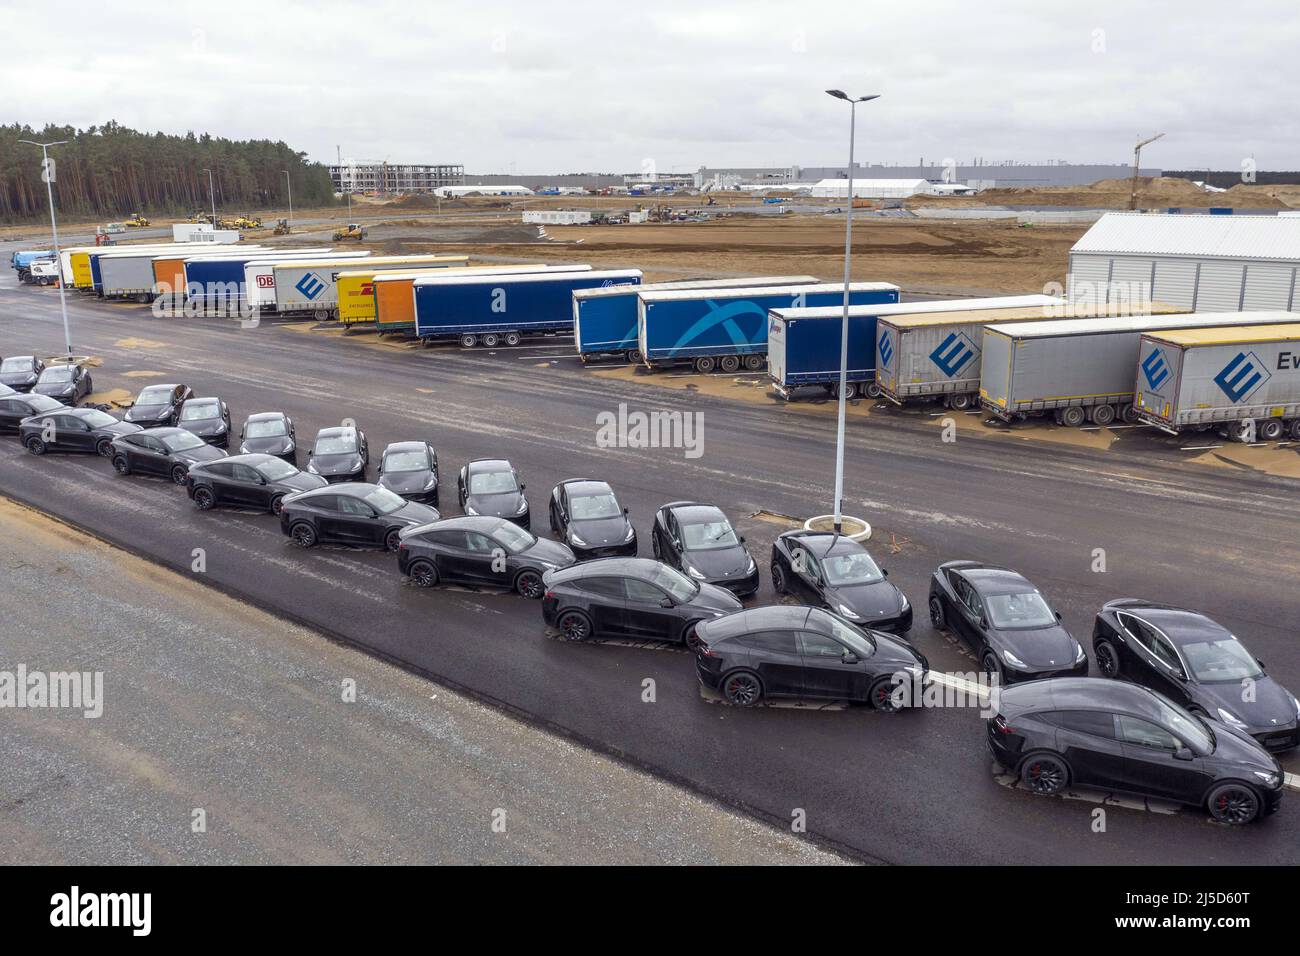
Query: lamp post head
{"points": [[841, 95]]}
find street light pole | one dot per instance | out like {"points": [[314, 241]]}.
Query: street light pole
{"points": [[844, 321], [289, 186], [47, 173], [212, 195]]}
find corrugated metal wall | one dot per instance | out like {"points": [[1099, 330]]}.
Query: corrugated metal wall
{"points": [[1206, 285]]}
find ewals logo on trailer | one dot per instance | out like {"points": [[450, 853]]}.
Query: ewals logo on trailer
{"points": [[1156, 369], [953, 354], [311, 285], [1242, 377], [886, 349]]}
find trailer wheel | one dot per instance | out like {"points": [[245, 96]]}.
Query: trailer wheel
{"points": [[1294, 430], [512, 339], [1238, 431], [870, 389], [633, 356], [1129, 415], [850, 391], [1103, 415], [729, 363], [468, 341], [705, 364], [755, 362], [1072, 416], [960, 402], [490, 340], [1269, 430]]}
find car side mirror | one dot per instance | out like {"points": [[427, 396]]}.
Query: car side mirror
{"points": [[1260, 663], [1183, 753], [849, 657], [742, 539], [884, 572], [624, 512], [310, 452], [522, 486], [1058, 615], [666, 602], [984, 621]]}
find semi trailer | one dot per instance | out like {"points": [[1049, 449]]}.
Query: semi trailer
{"points": [[604, 320], [127, 274], [1080, 370], [727, 328], [1243, 379], [308, 286], [393, 294], [259, 274], [503, 308]]}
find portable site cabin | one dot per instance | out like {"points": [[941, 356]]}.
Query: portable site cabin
{"points": [[392, 305], [1202, 263]]}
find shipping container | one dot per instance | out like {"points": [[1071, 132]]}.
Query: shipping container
{"points": [[604, 320], [259, 274], [727, 329], [803, 345], [393, 294], [311, 286], [1245, 379], [128, 273], [504, 307], [1078, 369]]}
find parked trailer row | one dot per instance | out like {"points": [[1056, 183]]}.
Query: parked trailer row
{"points": [[307, 286], [803, 347], [259, 274], [1080, 370], [605, 319], [128, 273], [505, 307], [1246, 378], [727, 328], [394, 293]]}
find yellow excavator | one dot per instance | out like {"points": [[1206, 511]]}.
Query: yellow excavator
{"points": [[352, 230], [137, 220]]}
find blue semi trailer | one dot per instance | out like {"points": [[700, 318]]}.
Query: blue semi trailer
{"points": [[495, 308], [604, 320], [726, 329], [803, 345]]}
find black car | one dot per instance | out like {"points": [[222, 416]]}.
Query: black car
{"points": [[1006, 622], [491, 486], [269, 433], [585, 513], [68, 383], [16, 406], [630, 597], [247, 481], [699, 540], [354, 512], [161, 451], [410, 468], [339, 454], [787, 650], [1113, 735], [209, 418], [834, 571], [20, 372], [1198, 664], [158, 405], [479, 550], [6, 390], [72, 429]]}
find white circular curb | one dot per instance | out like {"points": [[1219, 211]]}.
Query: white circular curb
{"points": [[847, 523]]}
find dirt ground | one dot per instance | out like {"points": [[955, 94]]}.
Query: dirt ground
{"points": [[1153, 192]]}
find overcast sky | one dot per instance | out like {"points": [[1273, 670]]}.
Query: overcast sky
{"points": [[533, 87]]}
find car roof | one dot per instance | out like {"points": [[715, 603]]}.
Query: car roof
{"points": [[80, 412], [768, 617], [345, 487], [161, 385], [267, 416], [1083, 693], [642, 568], [406, 446], [253, 459], [484, 523], [1179, 624], [337, 431], [989, 578], [490, 464], [694, 511], [588, 486], [205, 400], [10, 358], [823, 543]]}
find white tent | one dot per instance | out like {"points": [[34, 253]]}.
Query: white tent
{"points": [[871, 188]]}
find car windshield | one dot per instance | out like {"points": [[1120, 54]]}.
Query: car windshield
{"points": [[858, 641], [492, 483], [276, 470], [97, 419], [155, 395], [198, 413], [1020, 610], [591, 507], [182, 442], [384, 501], [336, 445], [1183, 725], [43, 403], [57, 373], [843, 569], [514, 538], [271, 428], [406, 461], [18, 363], [674, 582], [709, 535], [1222, 660]]}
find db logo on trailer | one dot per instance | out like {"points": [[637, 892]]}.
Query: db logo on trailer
{"points": [[311, 285], [953, 354], [1242, 377], [266, 282], [886, 349], [1156, 369]]}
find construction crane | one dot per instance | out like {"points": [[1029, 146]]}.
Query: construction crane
{"points": [[1137, 155]]}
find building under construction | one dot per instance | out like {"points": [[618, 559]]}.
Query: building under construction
{"points": [[394, 178]]}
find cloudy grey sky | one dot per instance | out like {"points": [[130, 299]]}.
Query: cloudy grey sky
{"points": [[591, 86]]}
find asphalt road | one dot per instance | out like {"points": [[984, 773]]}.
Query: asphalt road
{"points": [[911, 788]]}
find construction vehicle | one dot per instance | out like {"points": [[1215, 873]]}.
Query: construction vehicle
{"points": [[137, 220], [244, 222], [352, 230], [201, 216], [281, 228]]}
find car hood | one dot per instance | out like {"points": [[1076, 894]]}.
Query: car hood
{"points": [[551, 551], [206, 453], [119, 428], [17, 378], [600, 531], [214, 427], [1040, 647], [894, 651], [713, 598], [406, 482], [1271, 708], [337, 464], [148, 413], [416, 513], [870, 602], [1233, 744], [54, 388], [505, 505], [279, 445], [302, 482], [720, 564]]}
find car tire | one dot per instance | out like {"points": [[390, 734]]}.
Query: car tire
{"points": [[276, 503], [1072, 416], [423, 574], [689, 640], [204, 499], [654, 546], [528, 583], [1044, 774], [574, 626], [937, 618], [104, 447], [393, 540], [121, 465], [881, 696], [778, 578], [990, 664], [511, 339], [303, 535], [1233, 803], [742, 688], [550, 516], [178, 474], [1107, 659], [35, 445]]}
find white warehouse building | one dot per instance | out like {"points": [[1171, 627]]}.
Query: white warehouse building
{"points": [[870, 188], [1207, 263], [451, 192]]}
